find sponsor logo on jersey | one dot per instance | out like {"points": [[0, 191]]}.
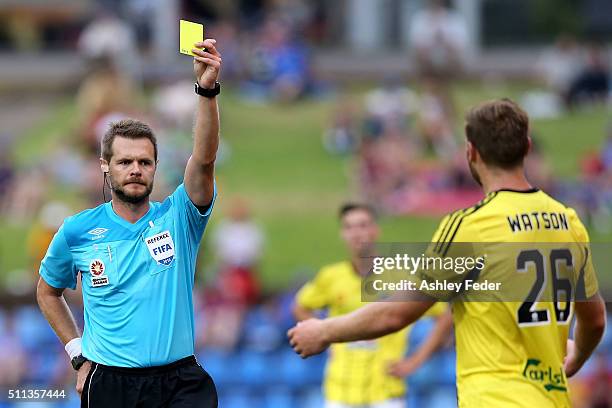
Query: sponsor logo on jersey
{"points": [[96, 269], [551, 379], [97, 233], [161, 247]]}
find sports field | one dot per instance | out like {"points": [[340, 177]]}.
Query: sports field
{"points": [[278, 163]]}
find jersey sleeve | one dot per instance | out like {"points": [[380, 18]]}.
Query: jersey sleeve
{"points": [[194, 218], [57, 267], [587, 278], [315, 293]]}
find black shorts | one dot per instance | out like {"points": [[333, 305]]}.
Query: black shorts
{"points": [[183, 383]]}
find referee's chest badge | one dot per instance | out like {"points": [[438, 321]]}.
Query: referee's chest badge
{"points": [[161, 247], [96, 270]]}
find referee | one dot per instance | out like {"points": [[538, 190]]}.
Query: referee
{"points": [[136, 260]]}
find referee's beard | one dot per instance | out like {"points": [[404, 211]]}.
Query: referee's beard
{"points": [[121, 194]]}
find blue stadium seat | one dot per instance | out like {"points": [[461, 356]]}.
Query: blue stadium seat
{"points": [[254, 369], [311, 398], [32, 329], [279, 397], [413, 399], [237, 398], [43, 365], [296, 372], [443, 397], [220, 366]]}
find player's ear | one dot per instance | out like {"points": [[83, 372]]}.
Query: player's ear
{"points": [[103, 165], [529, 145], [470, 152]]}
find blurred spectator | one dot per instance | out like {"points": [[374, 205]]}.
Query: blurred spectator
{"points": [[238, 243], [297, 13], [436, 117], [599, 384], [263, 330], [7, 169], [440, 40], [560, 65], [108, 36], [593, 81], [103, 92], [26, 194], [537, 169], [278, 66], [218, 320], [172, 102], [226, 33], [385, 164], [238, 240], [606, 153], [341, 137], [392, 104], [12, 355], [41, 233]]}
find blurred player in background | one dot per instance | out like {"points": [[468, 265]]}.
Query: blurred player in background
{"points": [[360, 373], [508, 353], [136, 260]]}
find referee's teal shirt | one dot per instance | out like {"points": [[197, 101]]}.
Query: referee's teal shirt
{"points": [[137, 279]]}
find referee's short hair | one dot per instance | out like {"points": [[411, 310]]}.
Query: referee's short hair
{"points": [[348, 207], [499, 130], [130, 129]]}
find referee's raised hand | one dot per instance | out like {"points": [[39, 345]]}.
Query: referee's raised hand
{"points": [[82, 376], [206, 63]]}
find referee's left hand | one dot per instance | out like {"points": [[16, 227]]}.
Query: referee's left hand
{"points": [[308, 338], [82, 376], [206, 64]]}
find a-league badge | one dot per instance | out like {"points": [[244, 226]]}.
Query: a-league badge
{"points": [[161, 247], [96, 270]]}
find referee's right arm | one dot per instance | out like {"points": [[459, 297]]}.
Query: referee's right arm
{"points": [[55, 309], [57, 272]]}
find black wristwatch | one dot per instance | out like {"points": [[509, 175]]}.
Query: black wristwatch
{"points": [[78, 361], [208, 92]]}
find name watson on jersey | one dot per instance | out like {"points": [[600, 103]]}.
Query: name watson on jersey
{"points": [[435, 285], [538, 220]]}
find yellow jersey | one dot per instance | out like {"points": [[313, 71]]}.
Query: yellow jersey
{"points": [[510, 350], [356, 372]]}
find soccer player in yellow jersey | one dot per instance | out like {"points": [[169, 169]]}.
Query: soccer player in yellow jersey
{"points": [[358, 373], [509, 353]]}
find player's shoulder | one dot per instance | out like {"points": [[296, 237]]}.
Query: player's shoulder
{"points": [[554, 205], [85, 226], [464, 216], [178, 199], [576, 227], [484, 205]]}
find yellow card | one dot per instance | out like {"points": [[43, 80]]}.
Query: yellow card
{"points": [[190, 33]]}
